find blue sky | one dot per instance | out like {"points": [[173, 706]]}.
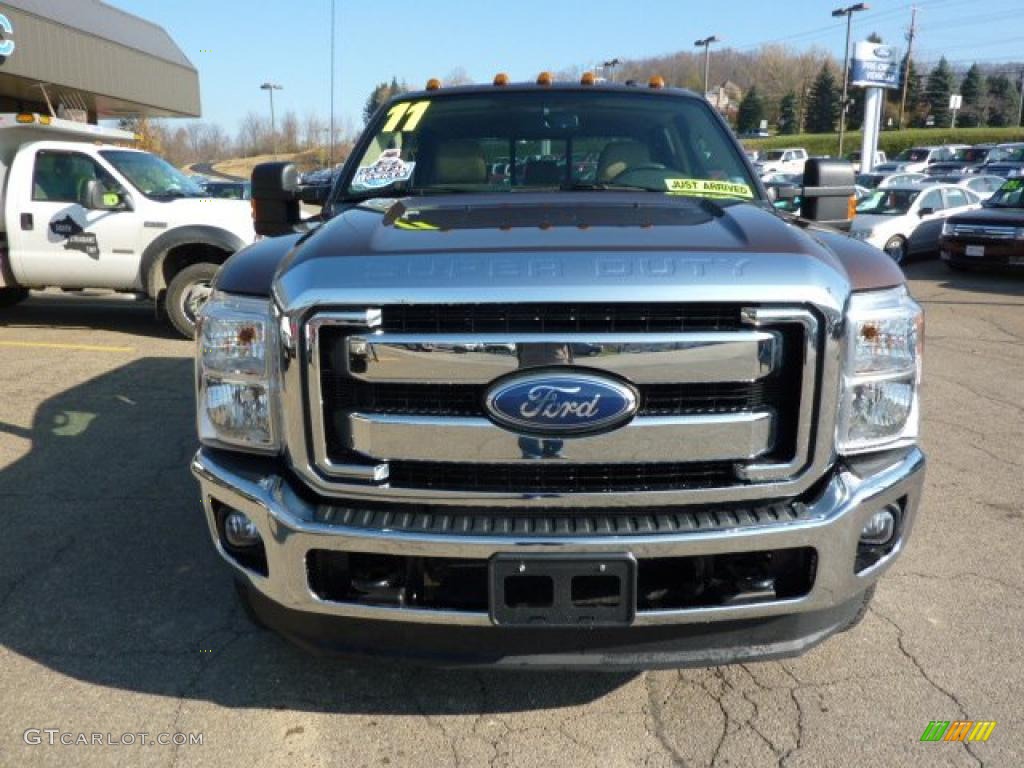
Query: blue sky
{"points": [[238, 44]]}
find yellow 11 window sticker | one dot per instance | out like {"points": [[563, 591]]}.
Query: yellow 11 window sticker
{"points": [[412, 112], [708, 188]]}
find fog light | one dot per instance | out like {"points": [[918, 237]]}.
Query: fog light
{"points": [[880, 528], [240, 531]]}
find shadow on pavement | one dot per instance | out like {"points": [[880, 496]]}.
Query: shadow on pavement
{"points": [[107, 574], [55, 310], [1005, 282]]}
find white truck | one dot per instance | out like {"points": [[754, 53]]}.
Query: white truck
{"points": [[791, 160], [80, 211]]}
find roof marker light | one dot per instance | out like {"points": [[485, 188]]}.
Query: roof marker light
{"points": [[501, 79], [545, 78], [588, 78], [433, 84], [25, 117], [656, 82]]}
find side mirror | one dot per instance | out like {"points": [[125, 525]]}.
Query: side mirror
{"points": [[828, 196], [275, 199], [925, 212], [95, 197]]}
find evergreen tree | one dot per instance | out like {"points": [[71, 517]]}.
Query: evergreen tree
{"points": [[874, 37], [972, 88], [381, 93], [751, 111], [938, 91], [788, 120], [823, 102], [1002, 101]]}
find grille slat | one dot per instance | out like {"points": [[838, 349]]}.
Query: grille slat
{"points": [[560, 318], [560, 478]]}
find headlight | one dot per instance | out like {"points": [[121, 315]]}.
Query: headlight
{"points": [[881, 372], [237, 374]]}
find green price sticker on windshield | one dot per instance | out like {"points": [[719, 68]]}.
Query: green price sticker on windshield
{"points": [[708, 188], [1013, 184]]}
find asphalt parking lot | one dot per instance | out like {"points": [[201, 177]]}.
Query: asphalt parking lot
{"points": [[116, 616]]}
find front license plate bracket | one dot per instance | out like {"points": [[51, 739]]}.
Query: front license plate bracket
{"points": [[563, 590]]}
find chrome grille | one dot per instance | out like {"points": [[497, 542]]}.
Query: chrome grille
{"points": [[394, 384], [984, 231]]}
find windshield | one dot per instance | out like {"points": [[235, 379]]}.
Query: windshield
{"points": [[888, 202], [913, 155], [152, 175], [549, 140], [970, 155], [1010, 195]]}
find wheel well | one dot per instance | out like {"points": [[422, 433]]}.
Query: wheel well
{"points": [[181, 256]]}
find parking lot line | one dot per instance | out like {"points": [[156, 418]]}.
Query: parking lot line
{"points": [[74, 347]]}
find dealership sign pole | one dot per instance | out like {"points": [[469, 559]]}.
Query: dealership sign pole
{"points": [[875, 68]]}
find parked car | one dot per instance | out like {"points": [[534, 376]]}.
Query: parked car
{"points": [[1011, 164], [854, 157], [985, 186], [990, 237], [782, 161], [907, 219], [898, 179], [916, 159], [889, 167], [228, 190], [967, 160]]}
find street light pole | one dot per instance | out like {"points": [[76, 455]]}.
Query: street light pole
{"points": [[848, 13], [270, 88], [331, 166], [706, 45], [611, 65]]}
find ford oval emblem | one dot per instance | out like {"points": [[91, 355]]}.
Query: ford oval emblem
{"points": [[561, 403], [883, 52]]}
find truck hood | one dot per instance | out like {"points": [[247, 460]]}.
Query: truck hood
{"points": [[232, 215], [997, 216], [587, 246]]}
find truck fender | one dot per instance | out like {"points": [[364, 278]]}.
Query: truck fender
{"points": [[151, 274]]}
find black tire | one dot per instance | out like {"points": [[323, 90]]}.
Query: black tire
{"points": [[12, 295], [242, 593], [866, 598], [186, 295], [896, 248]]}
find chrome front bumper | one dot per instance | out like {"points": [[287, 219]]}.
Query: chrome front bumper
{"points": [[287, 524]]}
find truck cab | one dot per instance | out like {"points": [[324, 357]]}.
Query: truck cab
{"points": [[80, 211]]}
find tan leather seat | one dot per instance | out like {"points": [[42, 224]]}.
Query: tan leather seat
{"points": [[620, 156], [460, 162]]}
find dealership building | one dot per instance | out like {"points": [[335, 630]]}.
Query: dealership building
{"points": [[86, 60]]}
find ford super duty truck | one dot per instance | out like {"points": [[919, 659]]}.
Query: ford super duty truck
{"points": [[81, 211], [641, 419]]}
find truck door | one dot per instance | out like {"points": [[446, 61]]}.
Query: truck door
{"points": [[54, 239], [926, 236]]}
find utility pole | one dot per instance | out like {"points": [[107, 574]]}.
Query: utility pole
{"points": [[848, 13], [331, 166], [270, 88], [906, 64], [706, 45]]}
